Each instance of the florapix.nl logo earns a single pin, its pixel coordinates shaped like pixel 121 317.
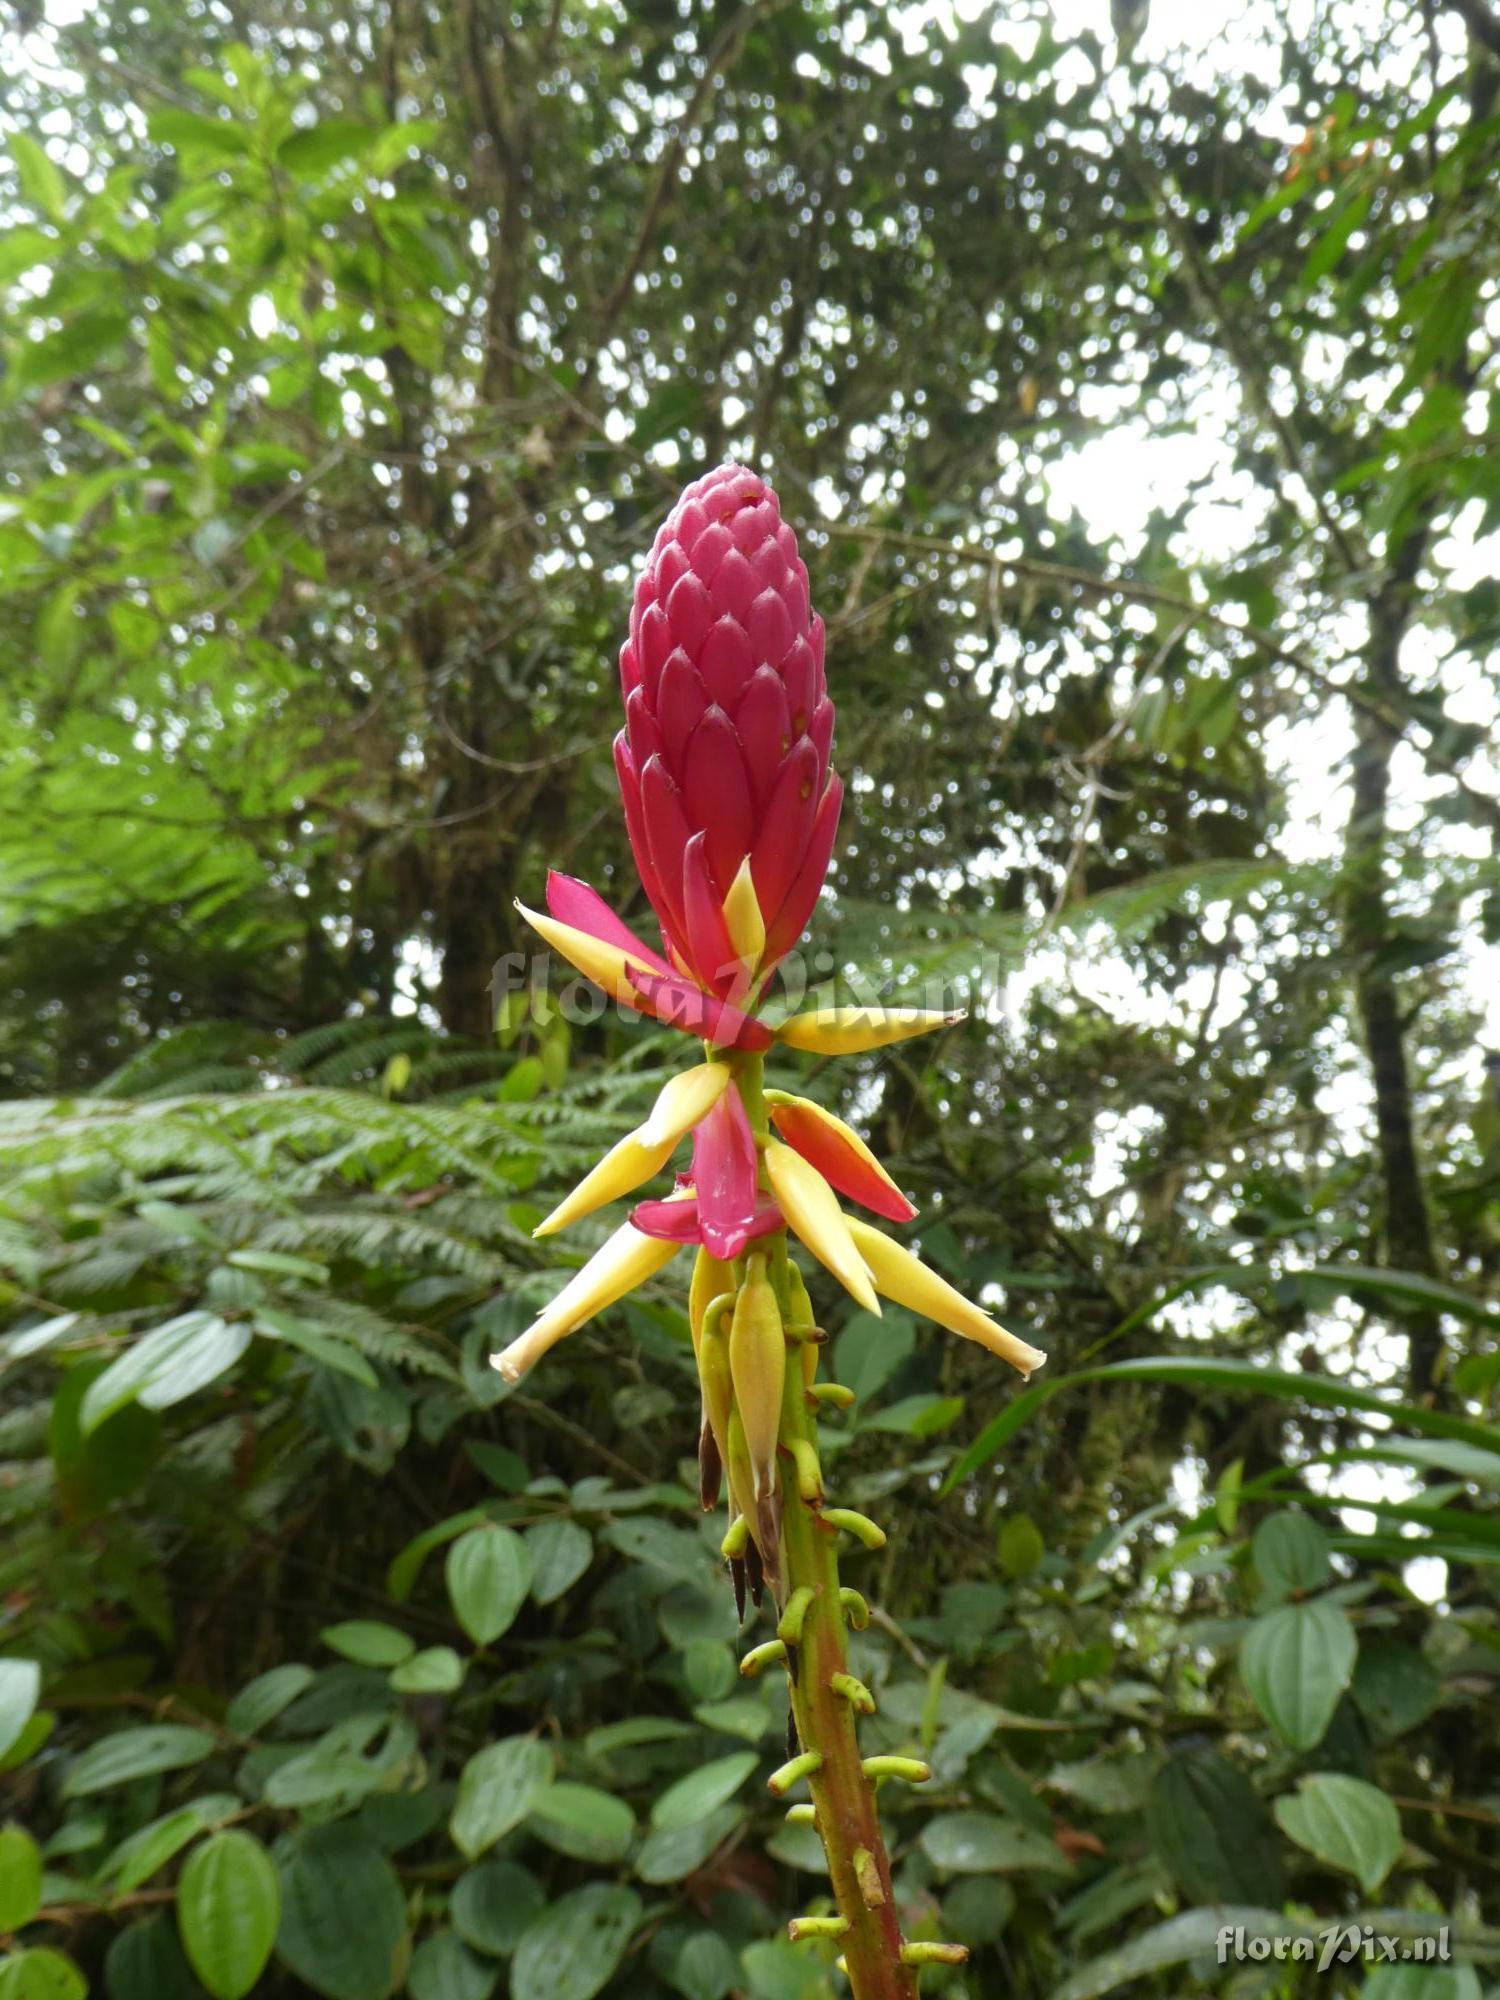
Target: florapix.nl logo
pixel 1335 1945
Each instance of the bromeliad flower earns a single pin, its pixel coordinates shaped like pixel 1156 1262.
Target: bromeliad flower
pixel 732 805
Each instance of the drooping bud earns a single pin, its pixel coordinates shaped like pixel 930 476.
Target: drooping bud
pixel 757 1362
pixel 724 758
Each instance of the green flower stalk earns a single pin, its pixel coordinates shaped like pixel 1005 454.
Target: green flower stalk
pixel 732 806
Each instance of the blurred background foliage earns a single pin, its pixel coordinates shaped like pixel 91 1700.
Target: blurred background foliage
pixel 1136 399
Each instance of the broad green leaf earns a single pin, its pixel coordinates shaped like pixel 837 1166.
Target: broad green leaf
pixel 776 1970
pixel 368 1642
pixel 142 1853
pixel 190 132
pixel 42 1974
pixel 631 1732
pixel 326 144
pixel 980 1843
pixel 407 1566
pixel 582 1821
pixel 20 1878
pixel 916 1416
pixel 167 1365
pixel 1191 1935
pixel 41 181
pixel 1236 1377
pixel 317 1343
pixel 435 1670
pixel 1345 1822
pixel 869 1350
pixel 700 1967
pixel 280 1264
pixel 672 1551
pixel 146 1962
pixel 1297 1662
pixel 136 1753
pixel 228 1912
pixel 21 250
pixel 489 1574
pixel 1291 1553
pixel 260 1701
pixel 560 1553
pixel 669 1854
pixel 20 1685
pixel 1020 1546
pixel 443 1968
pixel 1211 1830
pixel 343 1917
pixel 497 1789
pixel 493 1905
pixel 702 1791
pixel 1395 1687
pixel 572 1948
pixel 1422 1982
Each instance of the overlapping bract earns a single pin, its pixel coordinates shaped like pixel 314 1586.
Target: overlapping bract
pixel 724 760
pixel 731 806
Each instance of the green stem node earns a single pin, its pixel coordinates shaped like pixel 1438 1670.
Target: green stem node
pixel 771 1654
pixel 789 1626
pixel 855 1609
pixel 809 1472
pixel 911 1770
pixel 804 1766
pixel 817 1927
pixel 859 1525
pixel 854 1692
pixel 734 1543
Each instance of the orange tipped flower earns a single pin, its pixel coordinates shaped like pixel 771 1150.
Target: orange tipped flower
pixel 839 1154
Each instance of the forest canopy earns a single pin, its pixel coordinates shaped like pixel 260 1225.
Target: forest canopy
pixel 1132 388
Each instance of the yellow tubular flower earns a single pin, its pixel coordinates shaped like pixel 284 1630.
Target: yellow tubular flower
pixel 909 1282
pixel 603 963
pixel 644 1152
pixel 757 1365
pixel 628 1259
pixel 850 1031
pixel 809 1205
pixel 743 919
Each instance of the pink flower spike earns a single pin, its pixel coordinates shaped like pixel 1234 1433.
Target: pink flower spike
pixel 677 1003
pixel 715 960
pixel 574 902
pixel 801 899
pixel 724 1173
pixel 680 1221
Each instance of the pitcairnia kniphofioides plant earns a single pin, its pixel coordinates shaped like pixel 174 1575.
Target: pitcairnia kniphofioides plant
pixel 731 807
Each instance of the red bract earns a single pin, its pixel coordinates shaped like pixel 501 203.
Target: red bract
pixel 725 754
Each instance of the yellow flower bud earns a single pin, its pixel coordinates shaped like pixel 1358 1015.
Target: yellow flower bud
pixel 909 1282
pixel 743 919
pixel 684 1100
pixel 628 1259
pixel 850 1031
pixel 757 1362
